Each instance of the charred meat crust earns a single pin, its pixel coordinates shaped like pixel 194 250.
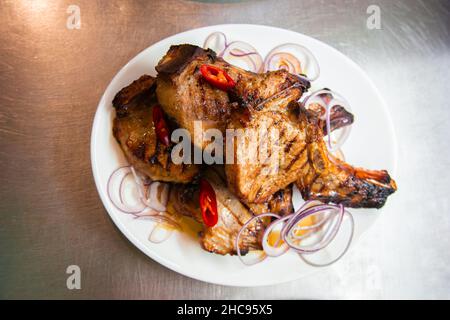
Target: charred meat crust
pixel 142 87
pixel 360 194
pixel 179 56
pixel 329 179
pixel 280 203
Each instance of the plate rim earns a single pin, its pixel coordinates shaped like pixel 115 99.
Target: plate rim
pixel 166 262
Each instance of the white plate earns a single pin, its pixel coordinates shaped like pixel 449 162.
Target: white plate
pixel 371 144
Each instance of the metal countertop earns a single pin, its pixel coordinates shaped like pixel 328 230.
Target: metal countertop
pixel 51 80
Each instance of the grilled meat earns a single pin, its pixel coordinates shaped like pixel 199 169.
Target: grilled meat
pixel 134 131
pixel 187 97
pixel 267 149
pixel 297 152
pixel 233 215
pixel 279 203
pixel 329 179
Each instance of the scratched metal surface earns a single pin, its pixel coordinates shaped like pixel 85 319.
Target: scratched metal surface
pixel 51 80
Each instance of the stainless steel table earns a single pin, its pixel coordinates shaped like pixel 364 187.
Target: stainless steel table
pixel 52 77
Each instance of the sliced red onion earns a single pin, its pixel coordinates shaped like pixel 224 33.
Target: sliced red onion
pixel 317 238
pixel 151 200
pixel 243 55
pixel 322 237
pixel 139 183
pixel 322 217
pixel 158 199
pixel 327 99
pixel 278 249
pixel 295 58
pixel 156 195
pixel 160 217
pixel 116 194
pixel 216 41
pixel 253 257
pixel 336 249
pixel 284 61
pixel 260 256
pixel 160 233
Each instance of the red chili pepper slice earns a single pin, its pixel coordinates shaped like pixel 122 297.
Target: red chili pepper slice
pixel 208 203
pixel 217 77
pixel 162 130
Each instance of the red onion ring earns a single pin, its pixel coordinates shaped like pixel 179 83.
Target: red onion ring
pixel 151 197
pixel 216 41
pixel 278 249
pixel 121 173
pixel 343 252
pixel 298 59
pixel 340 135
pixel 236 244
pixel 152 203
pixel 153 236
pixel 243 55
pixel 286 61
pixel 324 239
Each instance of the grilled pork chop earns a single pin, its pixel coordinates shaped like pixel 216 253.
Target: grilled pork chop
pixel 279 203
pixel 134 130
pixel 297 152
pixel 187 97
pixel 267 149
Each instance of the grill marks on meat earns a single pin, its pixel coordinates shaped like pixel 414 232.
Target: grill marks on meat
pixel 134 131
pixel 279 203
pixel 302 157
pixel 330 180
pixel 187 97
pixel 269 154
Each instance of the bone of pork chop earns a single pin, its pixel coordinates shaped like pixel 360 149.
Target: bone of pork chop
pixel 300 155
pixel 187 97
pixel 134 130
pixel 329 179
